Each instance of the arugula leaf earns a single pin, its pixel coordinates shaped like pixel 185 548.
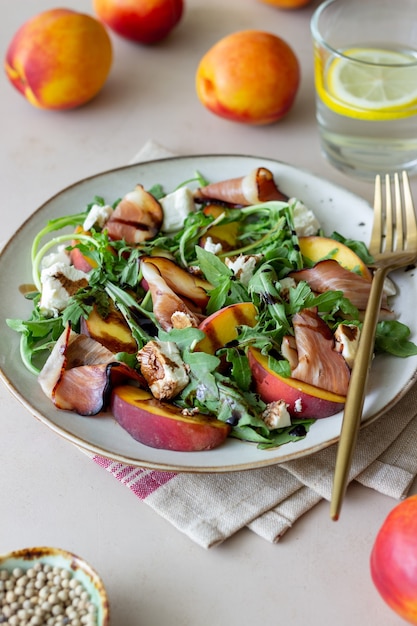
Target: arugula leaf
pixel 358 247
pixel 212 267
pixel 240 370
pixel 298 430
pixel 38 335
pixel 392 337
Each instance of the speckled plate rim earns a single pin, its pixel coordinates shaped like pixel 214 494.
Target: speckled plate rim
pixel 337 208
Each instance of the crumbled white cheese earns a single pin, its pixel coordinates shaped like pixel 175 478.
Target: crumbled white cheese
pixel 210 246
pixel 163 368
pixel 243 266
pixel 97 215
pixel 176 207
pixel 298 405
pixel 276 415
pixel 305 222
pixel 347 341
pixel 286 284
pixel 60 256
pixel 59 282
pixel 389 287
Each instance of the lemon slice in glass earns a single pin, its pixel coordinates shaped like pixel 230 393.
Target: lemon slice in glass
pixel 370 84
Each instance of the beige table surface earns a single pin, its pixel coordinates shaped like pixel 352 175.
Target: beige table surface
pixel 51 493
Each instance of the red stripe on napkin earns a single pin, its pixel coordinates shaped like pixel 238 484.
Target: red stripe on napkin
pixel 141 481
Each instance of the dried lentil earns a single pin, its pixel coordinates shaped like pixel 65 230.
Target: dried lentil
pixel 44 595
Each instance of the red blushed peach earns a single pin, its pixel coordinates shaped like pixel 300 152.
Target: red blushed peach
pixel 287 4
pixel 220 327
pixel 144 21
pixel 394 560
pixel 162 425
pixel 316 249
pixel 303 400
pixel 59 59
pixel 250 77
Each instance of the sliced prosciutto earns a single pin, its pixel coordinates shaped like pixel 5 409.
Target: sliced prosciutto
pixel 329 275
pixel 138 217
pixel 79 374
pixel 169 309
pixel 180 281
pixel 318 362
pixel 258 186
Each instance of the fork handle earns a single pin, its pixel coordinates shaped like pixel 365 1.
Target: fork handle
pixel 356 393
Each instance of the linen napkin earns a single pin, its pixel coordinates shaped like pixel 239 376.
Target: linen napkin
pixel 209 508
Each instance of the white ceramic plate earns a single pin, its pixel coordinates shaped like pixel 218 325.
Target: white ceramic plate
pixel 336 208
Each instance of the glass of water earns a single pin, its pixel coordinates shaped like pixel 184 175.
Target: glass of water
pixel 365 63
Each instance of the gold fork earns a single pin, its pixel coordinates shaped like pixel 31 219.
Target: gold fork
pixel 393 245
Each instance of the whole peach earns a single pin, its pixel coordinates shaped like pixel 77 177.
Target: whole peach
pixel 394 559
pixel 59 59
pixel 144 21
pixel 287 4
pixel 249 76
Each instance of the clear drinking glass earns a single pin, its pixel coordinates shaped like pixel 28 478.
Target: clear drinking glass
pixel 365 59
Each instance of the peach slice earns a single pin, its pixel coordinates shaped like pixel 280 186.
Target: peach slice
pixel 112 332
pixel 220 327
pixel 78 259
pixel 163 425
pixel 225 234
pixel 317 248
pixel 303 400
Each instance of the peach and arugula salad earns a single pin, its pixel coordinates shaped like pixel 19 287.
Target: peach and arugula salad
pixel 218 309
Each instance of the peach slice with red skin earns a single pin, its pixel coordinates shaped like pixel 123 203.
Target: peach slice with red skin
pixel 78 259
pixel 317 248
pixel 221 327
pixel 303 400
pixel 112 331
pixel 162 425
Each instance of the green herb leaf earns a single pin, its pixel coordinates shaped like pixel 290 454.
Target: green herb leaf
pixel 393 337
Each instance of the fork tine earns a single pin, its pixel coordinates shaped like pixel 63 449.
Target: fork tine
pixel 389 222
pixel 398 223
pixel 410 215
pixel 376 234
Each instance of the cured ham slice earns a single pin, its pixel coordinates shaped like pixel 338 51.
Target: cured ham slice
pixel 169 309
pixel 79 374
pixel 138 217
pixel 258 186
pixel 318 362
pixel 329 275
pixel 182 282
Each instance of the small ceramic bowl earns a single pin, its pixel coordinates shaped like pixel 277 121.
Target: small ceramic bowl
pixel 79 569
